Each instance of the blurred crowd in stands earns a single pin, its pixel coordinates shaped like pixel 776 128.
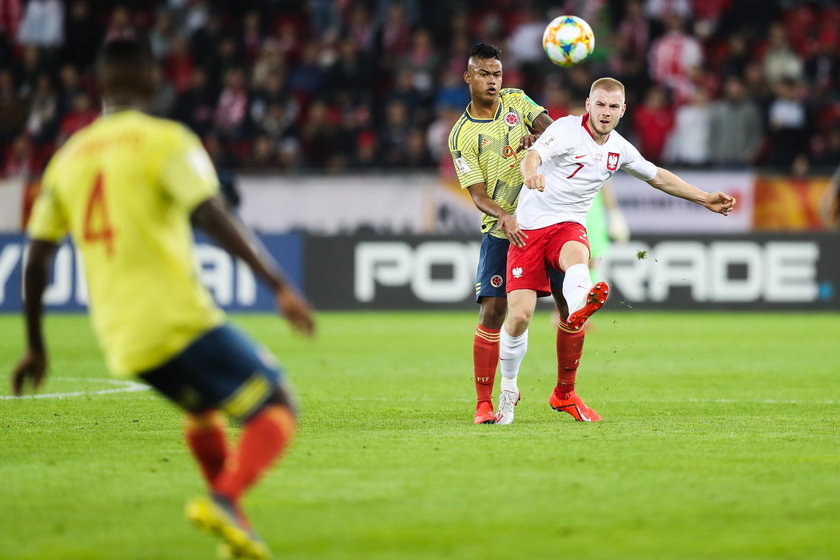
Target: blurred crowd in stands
pixel 377 84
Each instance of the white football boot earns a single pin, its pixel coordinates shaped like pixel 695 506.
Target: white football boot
pixel 504 412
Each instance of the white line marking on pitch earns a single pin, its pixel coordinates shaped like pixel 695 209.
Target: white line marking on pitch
pixel 123 386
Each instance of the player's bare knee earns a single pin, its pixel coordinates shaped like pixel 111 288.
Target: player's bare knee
pixel 518 320
pixel 573 253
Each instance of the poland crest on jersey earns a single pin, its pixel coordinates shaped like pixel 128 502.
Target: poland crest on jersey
pixel 511 118
pixel 612 161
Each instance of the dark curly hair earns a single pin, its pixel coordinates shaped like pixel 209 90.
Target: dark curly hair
pixel 485 51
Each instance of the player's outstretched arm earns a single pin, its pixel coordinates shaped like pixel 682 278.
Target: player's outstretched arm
pixel 507 223
pixel 670 183
pixel 33 365
pixel 214 218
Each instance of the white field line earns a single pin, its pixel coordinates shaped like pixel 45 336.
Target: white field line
pixel 122 386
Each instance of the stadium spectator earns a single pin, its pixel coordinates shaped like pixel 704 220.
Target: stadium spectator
pixel 690 140
pixel 662 10
pixel 780 61
pixel 29 67
pixel 673 56
pixel 179 64
pixel 828 150
pixel 163 98
pixel 788 124
pixel 42 122
pixel 557 101
pixel 318 135
pixel 737 56
pixel 196 105
pixel 162 35
pixel 306 78
pixel 82 114
pixel 252 35
pixel 395 34
pixel 19 158
pixel 633 32
pixel 12 107
pixel 348 80
pixel 360 29
pixel 269 62
pixel 735 131
pixel 83 35
pixel 524 44
pixel 232 108
pixel 652 123
pixel 451 92
pixel 120 23
pixel 822 70
pixel 70 86
pixel 394 134
pixel 423 61
pixel 263 155
pixel 42 24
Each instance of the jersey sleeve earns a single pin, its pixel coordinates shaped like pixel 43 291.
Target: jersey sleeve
pixel 529 108
pixel 465 159
pixel 187 172
pixel 48 221
pixel 636 165
pixel 552 142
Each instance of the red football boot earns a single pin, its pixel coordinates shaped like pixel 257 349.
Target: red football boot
pixel 595 300
pixel 574 406
pixel 484 414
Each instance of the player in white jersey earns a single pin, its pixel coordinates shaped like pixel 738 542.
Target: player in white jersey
pixel 577 155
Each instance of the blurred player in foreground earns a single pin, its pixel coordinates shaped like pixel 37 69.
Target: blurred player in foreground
pixel 577 155
pixel 485 144
pixel 125 188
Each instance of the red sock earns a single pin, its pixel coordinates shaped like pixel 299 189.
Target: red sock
pixel 569 350
pixel 263 439
pixel 206 440
pixel 485 361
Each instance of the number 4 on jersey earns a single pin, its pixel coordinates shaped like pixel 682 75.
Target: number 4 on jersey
pixel 97 225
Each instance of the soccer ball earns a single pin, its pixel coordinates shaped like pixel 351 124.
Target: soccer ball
pixel 568 40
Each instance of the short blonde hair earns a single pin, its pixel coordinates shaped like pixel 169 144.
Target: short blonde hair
pixel 607 84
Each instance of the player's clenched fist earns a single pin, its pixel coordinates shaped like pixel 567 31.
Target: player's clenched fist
pixel 535 181
pixel 720 202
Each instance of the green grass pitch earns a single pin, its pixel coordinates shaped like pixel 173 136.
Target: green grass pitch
pixel 720 440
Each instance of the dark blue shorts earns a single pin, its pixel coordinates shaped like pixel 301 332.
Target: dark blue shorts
pixel 222 369
pixel 492 269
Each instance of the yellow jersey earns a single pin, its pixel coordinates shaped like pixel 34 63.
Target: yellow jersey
pixel 124 188
pixel 484 151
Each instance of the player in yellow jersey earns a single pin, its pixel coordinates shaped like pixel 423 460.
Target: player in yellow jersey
pixel 125 189
pixel 486 144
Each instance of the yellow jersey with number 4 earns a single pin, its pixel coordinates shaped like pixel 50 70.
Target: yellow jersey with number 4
pixel 124 188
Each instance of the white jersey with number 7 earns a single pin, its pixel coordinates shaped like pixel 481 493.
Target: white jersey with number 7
pixel 575 168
